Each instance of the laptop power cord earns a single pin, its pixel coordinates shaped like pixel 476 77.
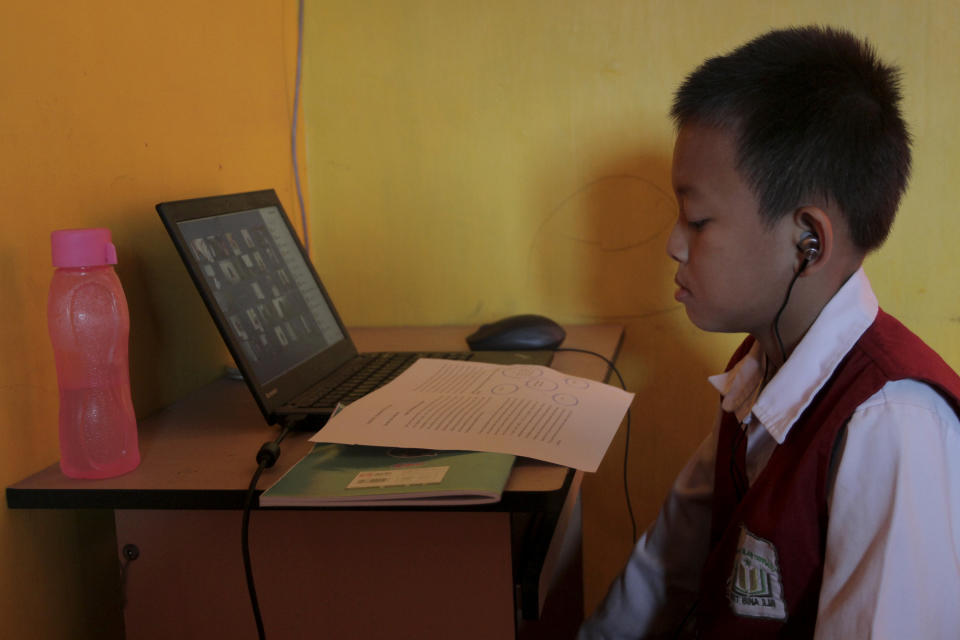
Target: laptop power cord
pixel 267 456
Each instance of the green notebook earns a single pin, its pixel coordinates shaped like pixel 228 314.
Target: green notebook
pixel 362 476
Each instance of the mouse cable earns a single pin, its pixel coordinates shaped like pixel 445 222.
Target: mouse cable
pixel 266 457
pixel 626 448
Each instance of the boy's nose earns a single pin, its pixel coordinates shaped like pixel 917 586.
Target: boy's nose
pixel 677 243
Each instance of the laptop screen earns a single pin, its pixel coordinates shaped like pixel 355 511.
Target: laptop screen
pixel 264 289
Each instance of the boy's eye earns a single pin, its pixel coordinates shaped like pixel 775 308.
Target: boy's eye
pixel 697 225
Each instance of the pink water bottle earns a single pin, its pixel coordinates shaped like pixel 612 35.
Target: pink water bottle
pixel 89 327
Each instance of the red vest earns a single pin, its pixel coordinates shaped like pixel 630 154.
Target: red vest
pixel 762 577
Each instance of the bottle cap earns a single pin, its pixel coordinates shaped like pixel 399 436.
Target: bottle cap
pixel 82 248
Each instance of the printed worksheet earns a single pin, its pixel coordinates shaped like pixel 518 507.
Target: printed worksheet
pixel 523 410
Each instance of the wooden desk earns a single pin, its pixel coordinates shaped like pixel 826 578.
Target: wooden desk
pixel 499 571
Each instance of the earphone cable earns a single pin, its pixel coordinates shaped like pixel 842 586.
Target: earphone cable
pixel 626 451
pixel 738 475
pixel 786 299
pixel 741 482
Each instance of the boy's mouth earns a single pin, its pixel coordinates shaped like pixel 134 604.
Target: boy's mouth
pixel 682 293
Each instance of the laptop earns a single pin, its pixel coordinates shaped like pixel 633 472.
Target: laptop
pixel 275 315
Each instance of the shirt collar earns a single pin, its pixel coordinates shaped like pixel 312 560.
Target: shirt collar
pixel 838 327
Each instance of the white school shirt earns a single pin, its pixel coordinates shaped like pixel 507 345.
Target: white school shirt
pixel 892 565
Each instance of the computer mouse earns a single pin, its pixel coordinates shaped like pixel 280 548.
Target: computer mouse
pixel 527 332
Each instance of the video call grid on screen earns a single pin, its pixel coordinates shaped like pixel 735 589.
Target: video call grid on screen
pixel 263 288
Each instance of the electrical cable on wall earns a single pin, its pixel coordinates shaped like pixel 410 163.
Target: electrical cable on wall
pixel 294 127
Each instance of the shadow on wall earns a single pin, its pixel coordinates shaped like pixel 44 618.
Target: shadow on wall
pixel 174 345
pixel 600 251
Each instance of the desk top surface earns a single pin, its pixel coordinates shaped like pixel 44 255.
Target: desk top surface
pixel 199 453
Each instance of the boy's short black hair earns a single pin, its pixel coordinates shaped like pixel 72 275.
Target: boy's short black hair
pixel 816 115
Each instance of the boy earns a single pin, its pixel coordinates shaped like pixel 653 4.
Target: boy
pixel 826 502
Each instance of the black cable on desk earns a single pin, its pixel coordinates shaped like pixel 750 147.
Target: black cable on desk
pixel 245 546
pixel 626 450
pixel 266 458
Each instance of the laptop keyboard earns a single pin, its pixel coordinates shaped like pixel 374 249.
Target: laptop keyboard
pixel 370 371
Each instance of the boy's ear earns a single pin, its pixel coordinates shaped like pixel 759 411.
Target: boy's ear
pixel 813 237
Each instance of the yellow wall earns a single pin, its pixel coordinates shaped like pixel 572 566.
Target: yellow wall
pixel 470 160
pixel 107 108
pixel 517 151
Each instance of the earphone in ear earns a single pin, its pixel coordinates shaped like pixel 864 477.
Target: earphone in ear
pixel 809 247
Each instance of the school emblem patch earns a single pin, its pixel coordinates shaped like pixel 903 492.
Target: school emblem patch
pixel 755 588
